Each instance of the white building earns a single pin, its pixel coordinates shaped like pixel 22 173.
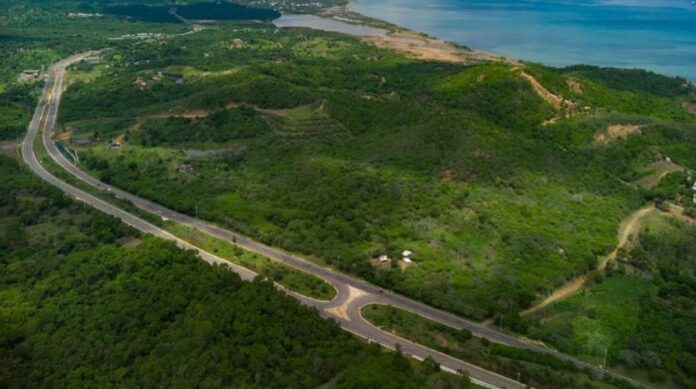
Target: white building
pixel 406 256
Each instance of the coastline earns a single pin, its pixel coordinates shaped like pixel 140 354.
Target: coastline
pixel 509 49
pixel 415 44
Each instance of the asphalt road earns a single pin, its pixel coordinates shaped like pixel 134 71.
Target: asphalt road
pixel 352 293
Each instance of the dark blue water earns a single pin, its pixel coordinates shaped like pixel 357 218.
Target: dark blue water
pixel 658 35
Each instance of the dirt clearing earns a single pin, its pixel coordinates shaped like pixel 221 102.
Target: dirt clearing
pixel 616 131
pixel 690 107
pixel 423 47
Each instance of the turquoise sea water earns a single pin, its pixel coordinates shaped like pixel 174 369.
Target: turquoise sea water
pixel 658 35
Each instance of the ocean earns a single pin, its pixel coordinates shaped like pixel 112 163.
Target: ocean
pixel 658 35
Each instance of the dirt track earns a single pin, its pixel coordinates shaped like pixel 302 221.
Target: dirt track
pixel 628 227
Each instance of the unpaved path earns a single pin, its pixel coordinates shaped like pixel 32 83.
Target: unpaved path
pixel 556 101
pixel 627 228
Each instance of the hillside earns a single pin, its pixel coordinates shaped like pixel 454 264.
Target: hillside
pixel 346 160
pixel 509 181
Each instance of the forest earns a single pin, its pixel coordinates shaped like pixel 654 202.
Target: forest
pixel 88 301
pixel 195 11
pixel 329 147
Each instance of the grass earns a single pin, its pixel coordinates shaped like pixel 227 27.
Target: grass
pixel 295 280
pixel 538 370
pixel 639 313
pixel 606 314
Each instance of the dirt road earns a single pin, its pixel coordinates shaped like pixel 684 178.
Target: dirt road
pixel 627 229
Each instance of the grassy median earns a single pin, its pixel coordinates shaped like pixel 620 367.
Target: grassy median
pixel 286 276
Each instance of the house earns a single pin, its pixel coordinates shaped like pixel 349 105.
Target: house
pixel 383 258
pixel 406 256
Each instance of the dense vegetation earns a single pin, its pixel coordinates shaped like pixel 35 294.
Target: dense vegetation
pixel 195 11
pixel 642 312
pixel 321 144
pixel 87 301
pixel 14 113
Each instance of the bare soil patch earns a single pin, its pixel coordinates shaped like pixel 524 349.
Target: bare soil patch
pixel 556 101
pixel 423 47
pixel 65 135
pixel 616 131
pixel 690 107
pixel 575 86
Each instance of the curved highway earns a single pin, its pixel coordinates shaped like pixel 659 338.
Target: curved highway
pixel 352 293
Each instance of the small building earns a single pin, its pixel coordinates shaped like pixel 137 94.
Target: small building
pixel 383 258
pixel 406 256
pixel 694 187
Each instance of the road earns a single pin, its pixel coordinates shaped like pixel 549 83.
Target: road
pixel 352 293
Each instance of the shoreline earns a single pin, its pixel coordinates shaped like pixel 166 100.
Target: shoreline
pixel 415 44
pixel 422 45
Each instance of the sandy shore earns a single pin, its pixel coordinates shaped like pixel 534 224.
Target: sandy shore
pixel 413 43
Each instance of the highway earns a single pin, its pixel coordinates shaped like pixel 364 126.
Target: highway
pixel 352 293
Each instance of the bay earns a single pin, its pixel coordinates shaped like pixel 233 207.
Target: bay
pixel 658 35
